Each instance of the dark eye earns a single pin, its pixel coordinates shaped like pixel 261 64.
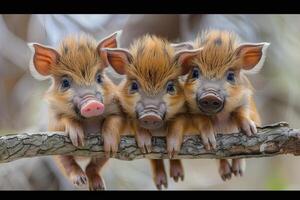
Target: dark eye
pixel 230 77
pixel 171 87
pixel 195 73
pixel 134 86
pixel 99 78
pixel 65 83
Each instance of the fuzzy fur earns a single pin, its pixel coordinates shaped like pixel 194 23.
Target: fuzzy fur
pixel 217 56
pixel 152 63
pixel 152 67
pixel 80 60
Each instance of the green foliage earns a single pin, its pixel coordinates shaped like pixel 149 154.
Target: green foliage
pixel 276 182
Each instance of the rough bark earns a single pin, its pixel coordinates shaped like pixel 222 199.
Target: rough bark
pixel 271 140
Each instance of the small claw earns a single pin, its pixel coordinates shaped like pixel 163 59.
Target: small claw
pixel 143 150
pixel 107 154
pixel 175 178
pixel 249 127
pixel 226 177
pixel 158 186
pixel 83 180
pixel 212 140
pixel 76 136
pixel 236 173
pixel 165 184
pixel 172 153
pixel 182 178
pixel 241 172
pixel 148 148
pixel 96 184
pixel 248 132
pixel 113 154
pixel 207 147
pixel 162 183
pixel 79 180
pixel 253 128
pixel 178 176
pixel 73 139
pixel 81 139
pixel 205 142
pixel 223 178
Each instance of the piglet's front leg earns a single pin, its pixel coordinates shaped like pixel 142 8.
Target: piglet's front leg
pixel 175 132
pixel 74 130
pixel 248 126
pixel 143 138
pixel 245 123
pixel 207 132
pixel 176 170
pixel 111 129
pixel 159 173
pixel 92 170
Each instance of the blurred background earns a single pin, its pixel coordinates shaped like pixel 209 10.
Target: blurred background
pixel 22 107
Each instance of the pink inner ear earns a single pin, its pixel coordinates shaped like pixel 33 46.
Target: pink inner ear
pixel 251 60
pixel 43 59
pixel 110 42
pixel 250 55
pixel 118 60
pixel 184 59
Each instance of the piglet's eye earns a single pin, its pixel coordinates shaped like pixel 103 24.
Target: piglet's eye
pixel 65 83
pixel 134 87
pixel 171 87
pixel 230 77
pixel 195 73
pixel 98 78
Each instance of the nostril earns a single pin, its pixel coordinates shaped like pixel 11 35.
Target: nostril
pixel 88 110
pixel 205 102
pixel 216 103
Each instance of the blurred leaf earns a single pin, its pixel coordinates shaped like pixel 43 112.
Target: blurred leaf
pixel 276 182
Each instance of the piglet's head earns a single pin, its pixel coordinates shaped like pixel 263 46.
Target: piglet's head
pixel 76 70
pixel 215 72
pixel 150 93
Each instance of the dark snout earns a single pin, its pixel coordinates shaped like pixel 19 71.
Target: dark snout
pixel 210 102
pixel 151 121
pixel 151 117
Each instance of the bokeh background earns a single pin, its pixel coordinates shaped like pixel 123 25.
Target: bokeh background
pixel 22 107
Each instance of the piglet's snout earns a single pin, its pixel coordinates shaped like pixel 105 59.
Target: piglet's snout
pixel 150 120
pixel 210 103
pixel 91 108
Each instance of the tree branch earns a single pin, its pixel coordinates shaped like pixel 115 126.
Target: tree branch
pixel 271 140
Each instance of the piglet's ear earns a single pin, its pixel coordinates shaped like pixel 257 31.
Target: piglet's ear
pixel 111 41
pixel 183 59
pixel 42 60
pixel 118 58
pixel 252 56
pixel 182 46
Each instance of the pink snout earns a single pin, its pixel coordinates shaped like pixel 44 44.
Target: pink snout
pixel 92 108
